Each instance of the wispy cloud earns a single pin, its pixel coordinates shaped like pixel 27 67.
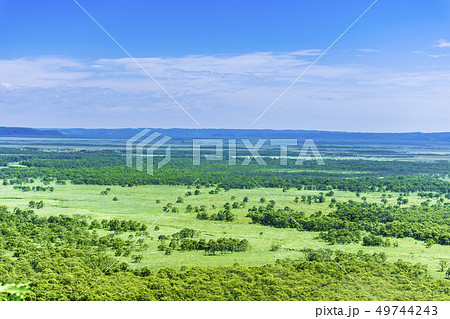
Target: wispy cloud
pixel 439 55
pixel 311 52
pixel 7 85
pixel 368 50
pixel 442 44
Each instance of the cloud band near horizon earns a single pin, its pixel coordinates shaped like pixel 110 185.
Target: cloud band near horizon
pixel 225 91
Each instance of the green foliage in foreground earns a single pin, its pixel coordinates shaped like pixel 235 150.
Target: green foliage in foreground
pixel 314 277
pixel 60 259
pixel 13 292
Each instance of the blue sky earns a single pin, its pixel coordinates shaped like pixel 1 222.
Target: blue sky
pixel 225 62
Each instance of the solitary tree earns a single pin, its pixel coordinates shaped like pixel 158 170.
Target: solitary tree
pixel 443 263
pixel 137 258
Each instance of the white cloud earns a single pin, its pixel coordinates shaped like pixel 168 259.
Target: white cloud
pixel 43 71
pixel 439 55
pixel 368 50
pixel 442 44
pixel 311 52
pixel 7 85
pixel 218 90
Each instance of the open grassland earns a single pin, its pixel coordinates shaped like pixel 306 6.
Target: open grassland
pixel 140 204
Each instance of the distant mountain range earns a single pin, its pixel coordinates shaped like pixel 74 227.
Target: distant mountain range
pixel 178 134
pixel 27 132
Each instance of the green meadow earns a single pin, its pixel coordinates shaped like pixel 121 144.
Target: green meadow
pixel 146 204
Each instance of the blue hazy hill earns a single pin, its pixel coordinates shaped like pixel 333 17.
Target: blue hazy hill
pixel 185 135
pixel 335 137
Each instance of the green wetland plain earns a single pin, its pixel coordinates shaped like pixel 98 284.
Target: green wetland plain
pixel 76 223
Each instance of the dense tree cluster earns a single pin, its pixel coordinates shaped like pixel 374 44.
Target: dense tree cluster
pixel 210 247
pixel 35 204
pixel 34 188
pixel 268 216
pixel 309 199
pixel 183 241
pixel 108 168
pixel 344 224
pixel 221 215
pixel 372 240
pixel 341 236
pixel 118 225
pixel 23 232
pixel 286 280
